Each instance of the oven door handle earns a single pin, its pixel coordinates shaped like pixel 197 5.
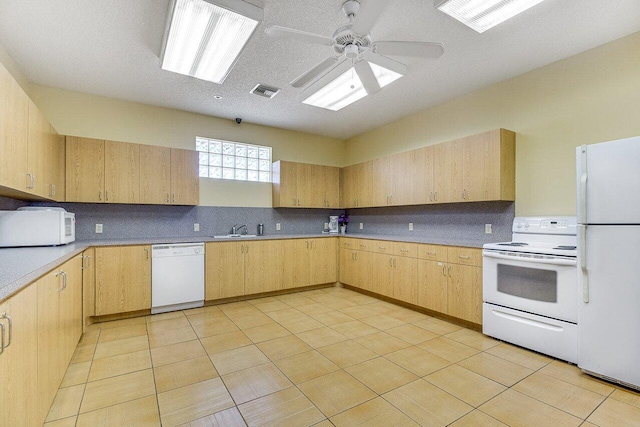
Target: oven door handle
pixel 552 261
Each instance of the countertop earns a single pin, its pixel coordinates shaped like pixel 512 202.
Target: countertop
pixel 21 266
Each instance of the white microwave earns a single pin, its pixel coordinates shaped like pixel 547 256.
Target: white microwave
pixel 37 226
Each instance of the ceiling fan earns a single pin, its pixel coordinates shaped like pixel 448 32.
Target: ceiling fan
pixel 353 42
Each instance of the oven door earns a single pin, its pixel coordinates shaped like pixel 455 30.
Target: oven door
pixel 544 285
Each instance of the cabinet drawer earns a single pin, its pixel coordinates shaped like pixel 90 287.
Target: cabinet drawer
pixel 364 245
pixel 347 243
pixel 432 252
pixel 464 256
pixel 405 249
pixel 382 246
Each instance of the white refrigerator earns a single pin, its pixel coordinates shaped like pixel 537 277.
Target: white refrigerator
pixel 608 176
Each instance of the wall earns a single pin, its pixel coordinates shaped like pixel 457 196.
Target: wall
pixel 588 98
pixel 13 69
pixel 79 114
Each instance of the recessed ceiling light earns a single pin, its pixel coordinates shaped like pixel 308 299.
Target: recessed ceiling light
pixel 205 37
pixel 484 14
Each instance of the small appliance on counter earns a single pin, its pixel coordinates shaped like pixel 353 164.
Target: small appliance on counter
pixel 333 224
pixel 37 226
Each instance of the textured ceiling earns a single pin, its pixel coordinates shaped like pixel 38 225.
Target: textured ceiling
pixel 112 48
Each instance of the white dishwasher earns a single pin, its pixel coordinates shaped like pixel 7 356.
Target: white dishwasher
pixel 177 277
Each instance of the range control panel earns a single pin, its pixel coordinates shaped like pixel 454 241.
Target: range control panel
pixel 545 225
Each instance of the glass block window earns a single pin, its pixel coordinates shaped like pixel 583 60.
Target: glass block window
pixel 233 160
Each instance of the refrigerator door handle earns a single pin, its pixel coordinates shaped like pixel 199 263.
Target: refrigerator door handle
pixel 582 196
pixel 582 244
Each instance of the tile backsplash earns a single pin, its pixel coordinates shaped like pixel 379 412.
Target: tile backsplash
pixel 443 222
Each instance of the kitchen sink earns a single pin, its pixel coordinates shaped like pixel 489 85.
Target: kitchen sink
pixel 234 236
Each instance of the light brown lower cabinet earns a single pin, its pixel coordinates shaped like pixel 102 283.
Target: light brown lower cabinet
pixel 18 361
pixel 88 286
pixel 444 279
pixel 253 267
pixel 123 279
pixel 59 309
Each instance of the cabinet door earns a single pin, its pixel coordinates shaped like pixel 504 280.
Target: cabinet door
pixel 123 279
pixel 307 191
pixel 295 266
pixel 381 181
pixel 59 185
pixel 447 171
pixel 41 153
pixel 14 128
pixel 403 178
pixel 363 184
pixel 382 274
pixel 363 275
pixel 50 364
pixel 185 179
pixel 405 279
pixel 347 266
pixel 18 363
pixel 347 196
pixel 423 178
pixel 224 270
pixel 465 292
pixel 122 172
pixel 285 185
pixel 71 306
pixel 323 261
pixel 84 170
pixel 155 175
pixel 489 167
pixel 88 286
pixel 432 285
pixel 263 266
pixel 331 186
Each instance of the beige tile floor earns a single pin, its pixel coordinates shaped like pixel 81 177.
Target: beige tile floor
pixel 323 357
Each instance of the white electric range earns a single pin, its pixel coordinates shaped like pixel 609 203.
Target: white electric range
pixel 530 287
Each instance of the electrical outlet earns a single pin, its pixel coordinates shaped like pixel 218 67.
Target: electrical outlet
pixel 487 229
pixel 410 226
pixel 361 226
pixel 277 226
pixel 99 228
pixel 196 227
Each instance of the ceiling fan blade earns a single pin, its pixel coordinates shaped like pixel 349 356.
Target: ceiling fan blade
pixel 314 72
pixel 367 77
pixel 404 48
pixel 303 36
pixel 368 15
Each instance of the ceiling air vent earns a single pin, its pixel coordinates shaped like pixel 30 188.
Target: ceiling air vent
pixel 266 91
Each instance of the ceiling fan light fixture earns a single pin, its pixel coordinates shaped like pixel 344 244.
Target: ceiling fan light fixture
pixel 205 38
pixel 342 86
pixel 481 15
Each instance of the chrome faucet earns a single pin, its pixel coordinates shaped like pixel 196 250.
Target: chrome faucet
pixel 235 229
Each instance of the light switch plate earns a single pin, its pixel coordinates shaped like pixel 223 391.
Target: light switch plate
pixel 99 228
pixel 361 226
pixel 196 227
pixel 488 229
pixel 410 226
pixel 277 226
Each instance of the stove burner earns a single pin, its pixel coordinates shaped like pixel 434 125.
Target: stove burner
pixel 565 248
pixel 513 244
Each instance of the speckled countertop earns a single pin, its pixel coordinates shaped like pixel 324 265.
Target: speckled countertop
pixel 21 266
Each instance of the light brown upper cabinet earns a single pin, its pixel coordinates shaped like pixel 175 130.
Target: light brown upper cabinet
pixel 356 182
pixel 185 181
pixel 14 125
pixel 121 172
pixel 303 185
pixel 85 170
pixel 404 178
pixel 30 163
pixel 101 171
